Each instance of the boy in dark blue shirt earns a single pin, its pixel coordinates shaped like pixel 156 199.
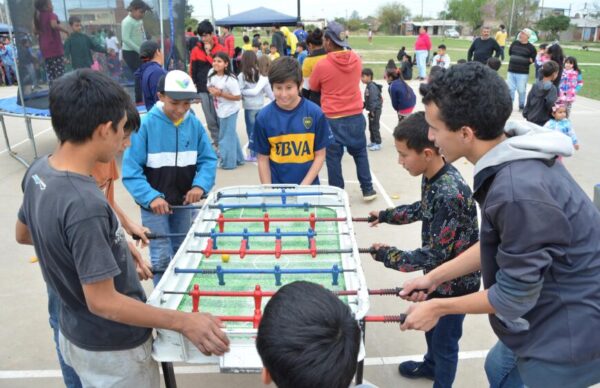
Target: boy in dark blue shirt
pixel 291 133
pixel 150 72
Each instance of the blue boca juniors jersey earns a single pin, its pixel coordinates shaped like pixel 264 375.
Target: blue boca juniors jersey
pixel 290 138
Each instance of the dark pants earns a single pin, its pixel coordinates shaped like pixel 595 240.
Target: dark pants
pixel 374 117
pixel 133 61
pixel 501 53
pixel 442 349
pixel 70 377
pixel 349 132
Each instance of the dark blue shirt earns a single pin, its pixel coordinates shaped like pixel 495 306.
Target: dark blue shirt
pixel 291 138
pixel 149 74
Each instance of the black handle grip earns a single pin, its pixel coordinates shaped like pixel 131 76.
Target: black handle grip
pixel 368 219
pixel 149 235
pixel 370 250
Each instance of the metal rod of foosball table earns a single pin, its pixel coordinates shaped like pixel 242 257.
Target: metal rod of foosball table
pixel 292 219
pixel 280 194
pixel 283 252
pixel 155 236
pixel 261 271
pixel 273 252
pixel 385 291
pixel 304 206
pixel 369 318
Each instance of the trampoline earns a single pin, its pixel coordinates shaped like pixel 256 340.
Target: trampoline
pixel 164 24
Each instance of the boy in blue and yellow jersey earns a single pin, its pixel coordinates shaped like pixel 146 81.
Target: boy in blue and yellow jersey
pixel 170 162
pixel 291 133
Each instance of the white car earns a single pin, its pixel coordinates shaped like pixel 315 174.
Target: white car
pixel 451 33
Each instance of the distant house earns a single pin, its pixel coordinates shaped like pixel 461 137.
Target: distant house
pixel 583 30
pixel 434 26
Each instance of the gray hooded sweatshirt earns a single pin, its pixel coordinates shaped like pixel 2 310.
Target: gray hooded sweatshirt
pixel 540 248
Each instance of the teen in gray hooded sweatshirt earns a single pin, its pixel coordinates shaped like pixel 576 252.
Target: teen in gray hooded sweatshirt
pixel 539 250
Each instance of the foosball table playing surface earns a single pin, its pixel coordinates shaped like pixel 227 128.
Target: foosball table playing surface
pixel 245 243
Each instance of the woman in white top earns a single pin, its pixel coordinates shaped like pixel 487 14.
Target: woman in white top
pixel 254 88
pixel 224 87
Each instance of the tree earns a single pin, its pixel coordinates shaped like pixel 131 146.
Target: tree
pixel 524 14
pixel 354 23
pixel 391 15
pixel 468 11
pixel 189 20
pixel 554 24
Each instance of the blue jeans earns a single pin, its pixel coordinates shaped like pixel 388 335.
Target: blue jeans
pixel 250 118
pixel 422 62
pixel 69 375
pixel 543 374
pixel 501 368
pixel 10 70
pixel 349 132
pixel 229 143
pixel 517 82
pixel 442 349
pixel 162 250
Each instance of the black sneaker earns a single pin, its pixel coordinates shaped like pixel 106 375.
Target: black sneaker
pixel 369 195
pixel 415 370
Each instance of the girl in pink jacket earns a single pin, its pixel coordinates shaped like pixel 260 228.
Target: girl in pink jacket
pixel 571 83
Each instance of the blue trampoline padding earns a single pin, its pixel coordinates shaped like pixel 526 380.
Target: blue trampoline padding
pixel 10 105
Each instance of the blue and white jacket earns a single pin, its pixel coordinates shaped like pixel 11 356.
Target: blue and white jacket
pixel 167 161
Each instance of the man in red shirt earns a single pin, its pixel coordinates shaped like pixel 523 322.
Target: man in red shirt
pixel 228 41
pixel 337 78
pixel 201 58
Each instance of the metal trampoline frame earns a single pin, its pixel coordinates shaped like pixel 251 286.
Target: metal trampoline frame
pixel 29 117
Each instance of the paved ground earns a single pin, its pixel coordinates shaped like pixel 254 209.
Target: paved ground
pixel 27 354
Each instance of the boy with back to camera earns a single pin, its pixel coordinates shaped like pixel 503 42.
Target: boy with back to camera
pixel 170 162
pixel 539 251
pixel 373 105
pixel 83 254
pixel 150 72
pixel 542 96
pixel 449 227
pixel 291 134
pixel 307 338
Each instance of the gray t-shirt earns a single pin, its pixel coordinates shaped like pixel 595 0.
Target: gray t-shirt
pixel 78 240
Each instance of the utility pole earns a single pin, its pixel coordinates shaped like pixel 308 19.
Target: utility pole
pixel 299 17
pixel 421 10
pixel 212 13
pixel 512 12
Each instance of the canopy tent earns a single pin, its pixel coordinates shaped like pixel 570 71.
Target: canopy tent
pixel 5 28
pixel 258 17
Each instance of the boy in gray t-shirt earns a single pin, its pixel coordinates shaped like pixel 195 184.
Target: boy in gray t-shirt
pixel 82 250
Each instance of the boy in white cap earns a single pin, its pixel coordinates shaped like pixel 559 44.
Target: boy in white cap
pixel 170 162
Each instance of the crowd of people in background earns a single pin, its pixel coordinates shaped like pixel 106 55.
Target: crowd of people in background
pixel 314 114
pixel 551 91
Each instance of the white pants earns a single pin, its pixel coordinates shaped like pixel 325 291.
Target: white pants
pixel 116 369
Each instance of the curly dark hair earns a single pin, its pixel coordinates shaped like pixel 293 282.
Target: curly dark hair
pixel 472 95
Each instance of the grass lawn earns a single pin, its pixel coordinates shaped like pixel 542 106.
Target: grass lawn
pixel 385 47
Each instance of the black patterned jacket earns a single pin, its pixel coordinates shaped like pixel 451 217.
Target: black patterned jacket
pixel 449 215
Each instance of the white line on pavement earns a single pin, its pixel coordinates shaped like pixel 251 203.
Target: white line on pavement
pixel 26 140
pixel 205 369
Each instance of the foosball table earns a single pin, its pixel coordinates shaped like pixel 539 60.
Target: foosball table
pixel 245 243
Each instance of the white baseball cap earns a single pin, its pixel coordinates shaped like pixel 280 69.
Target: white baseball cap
pixel 178 85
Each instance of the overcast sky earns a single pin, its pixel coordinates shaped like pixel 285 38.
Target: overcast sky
pixel 313 9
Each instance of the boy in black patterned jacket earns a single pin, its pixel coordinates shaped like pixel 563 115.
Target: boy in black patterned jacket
pixel 449 217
